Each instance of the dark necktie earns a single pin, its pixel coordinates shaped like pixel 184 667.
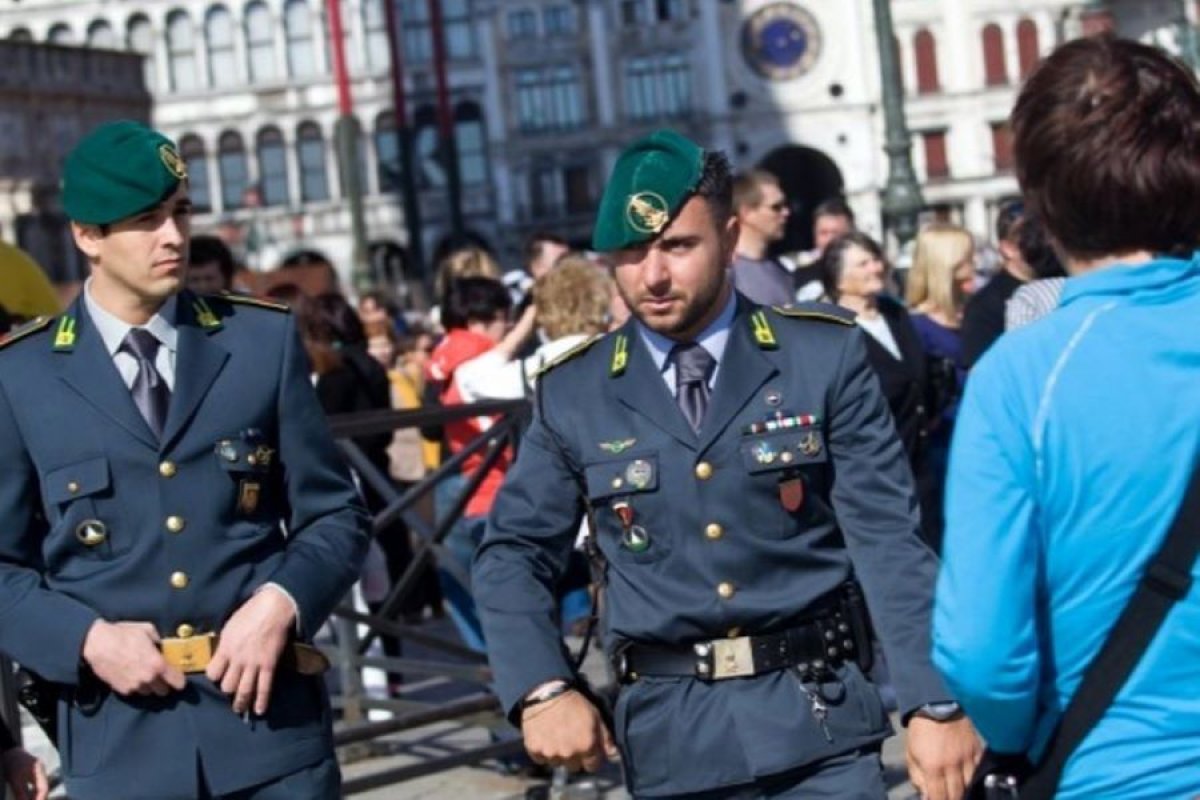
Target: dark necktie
pixel 149 390
pixel 693 367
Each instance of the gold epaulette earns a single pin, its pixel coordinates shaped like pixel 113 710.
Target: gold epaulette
pixel 567 356
pixel 247 300
pixel 824 313
pixel 21 331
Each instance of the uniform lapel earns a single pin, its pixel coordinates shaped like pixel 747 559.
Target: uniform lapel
pixel 744 369
pixel 89 370
pixel 198 361
pixel 641 387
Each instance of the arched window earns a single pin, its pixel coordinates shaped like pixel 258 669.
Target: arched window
pixel 260 43
pixel 218 36
pixel 472 144
pixel 379 59
pixel 231 164
pixel 1027 46
pixel 925 50
pixel 191 148
pixel 181 52
pixel 100 35
pixel 995 73
pixel 298 30
pixel 272 167
pixel 20 35
pixel 139 38
pixel 60 33
pixel 310 150
pixel 388 169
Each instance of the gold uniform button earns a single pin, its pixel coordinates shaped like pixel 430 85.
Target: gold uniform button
pixel 179 580
pixel 704 470
pixel 175 524
pixel 185 631
pixel 714 531
pixel 725 589
pixel 73 487
pixel 167 469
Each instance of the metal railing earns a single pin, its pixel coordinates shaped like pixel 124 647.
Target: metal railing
pixel 452 660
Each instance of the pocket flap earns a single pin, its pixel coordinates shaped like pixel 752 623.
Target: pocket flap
pixel 629 475
pixel 774 450
pixel 80 479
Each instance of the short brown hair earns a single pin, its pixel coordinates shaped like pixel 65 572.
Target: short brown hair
pixel 1107 146
pixel 747 188
pixel 573 297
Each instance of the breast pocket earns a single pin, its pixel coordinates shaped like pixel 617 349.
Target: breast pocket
pixel 790 467
pixel 73 496
pixel 627 508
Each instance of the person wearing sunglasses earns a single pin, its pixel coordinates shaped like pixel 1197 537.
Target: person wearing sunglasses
pixel 762 212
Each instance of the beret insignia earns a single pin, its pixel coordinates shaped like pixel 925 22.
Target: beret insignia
pixel 647 212
pixel 171 160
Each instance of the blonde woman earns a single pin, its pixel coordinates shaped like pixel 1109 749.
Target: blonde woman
pixel 572 304
pixel 941 279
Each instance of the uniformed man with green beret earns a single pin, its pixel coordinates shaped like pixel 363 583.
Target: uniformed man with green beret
pixel 175 519
pixel 755 514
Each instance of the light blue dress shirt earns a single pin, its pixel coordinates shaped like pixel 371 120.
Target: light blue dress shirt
pixel 113 331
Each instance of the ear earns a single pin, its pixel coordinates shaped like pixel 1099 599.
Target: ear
pixel 87 239
pixel 729 238
pixel 1008 250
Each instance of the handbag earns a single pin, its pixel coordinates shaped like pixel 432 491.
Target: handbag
pixel 1167 579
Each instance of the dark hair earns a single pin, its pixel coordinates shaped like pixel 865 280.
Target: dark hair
pixel 716 186
pixel 748 186
pixel 1037 251
pixel 831 259
pixel 460 240
pixel 474 300
pixel 285 292
pixel 1106 135
pixel 1010 216
pixel 305 258
pixel 384 299
pixel 537 240
pixel 7 322
pixel 329 319
pixel 834 207
pixel 203 249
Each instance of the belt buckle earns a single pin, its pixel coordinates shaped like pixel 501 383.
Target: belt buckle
pixel 190 654
pixel 725 658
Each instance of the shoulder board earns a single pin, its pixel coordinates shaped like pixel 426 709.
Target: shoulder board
pixel 823 312
pixel 21 331
pixel 567 356
pixel 247 300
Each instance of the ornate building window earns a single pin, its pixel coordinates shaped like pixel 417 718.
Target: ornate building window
pixel 298 31
pixel 995 72
pixel 139 38
pixel 472 144
pixel 260 43
pixel 549 98
pixel 657 87
pixel 1027 47
pixel 310 152
pixel 925 51
pixel 218 37
pixel 387 153
pixel 379 57
pixel 100 35
pixel 272 167
pixel 234 172
pixel 181 52
pixel 191 148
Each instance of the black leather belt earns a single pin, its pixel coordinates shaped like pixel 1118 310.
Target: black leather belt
pixel 812 648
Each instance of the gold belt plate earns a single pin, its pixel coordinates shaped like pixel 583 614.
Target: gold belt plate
pixel 732 658
pixel 190 654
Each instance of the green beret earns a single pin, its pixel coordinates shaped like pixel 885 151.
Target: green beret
pixel 651 181
pixel 119 169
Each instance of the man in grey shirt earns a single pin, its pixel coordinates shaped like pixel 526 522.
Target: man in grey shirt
pixel 762 213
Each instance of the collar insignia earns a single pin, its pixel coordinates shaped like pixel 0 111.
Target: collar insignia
pixel 647 212
pixel 764 335
pixel 205 316
pixel 64 337
pixel 620 356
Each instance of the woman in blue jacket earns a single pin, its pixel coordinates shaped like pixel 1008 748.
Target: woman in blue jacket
pixel 1078 434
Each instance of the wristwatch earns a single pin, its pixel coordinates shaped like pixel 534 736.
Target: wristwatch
pixel 940 712
pixel 546 692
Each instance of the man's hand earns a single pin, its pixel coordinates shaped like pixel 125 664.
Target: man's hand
pixel 567 731
pixel 25 774
pixel 942 756
pixel 248 649
pixel 125 655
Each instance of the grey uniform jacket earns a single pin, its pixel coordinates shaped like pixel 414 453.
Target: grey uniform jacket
pixel 725 556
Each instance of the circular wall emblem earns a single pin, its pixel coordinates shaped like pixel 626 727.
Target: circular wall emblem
pixel 647 212
pixel 781 41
